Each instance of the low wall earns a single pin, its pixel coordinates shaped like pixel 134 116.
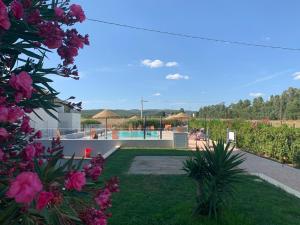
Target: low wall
pixel 78 146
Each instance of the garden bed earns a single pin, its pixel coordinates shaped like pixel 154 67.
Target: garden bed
pixel 170 199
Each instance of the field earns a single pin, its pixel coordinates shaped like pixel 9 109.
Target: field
pixel 170 199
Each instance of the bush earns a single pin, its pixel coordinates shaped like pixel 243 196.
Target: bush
pixel 90 122
pixel 279 143
pixel 215 171
pixel 37 186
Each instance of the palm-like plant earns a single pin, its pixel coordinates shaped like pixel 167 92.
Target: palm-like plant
pixel 216 172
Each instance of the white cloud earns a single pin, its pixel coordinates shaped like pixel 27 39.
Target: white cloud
pixel 171 64
pixel 296 76
pixel 176 76
pixel 157 94
pixel 153 63
pixel 256 94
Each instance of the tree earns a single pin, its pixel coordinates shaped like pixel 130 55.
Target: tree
pixel 34 187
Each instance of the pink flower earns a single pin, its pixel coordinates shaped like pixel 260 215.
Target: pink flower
pixel 38 134
pixel 25 187
pixel 76 180
pixel 43 199
pixel 29 151
pixel 59 12
pixel 77 12
pixel 14 114
pixel 3 134
pixel 17 9
pixel 23 83
pixel 39 148
pixel 34 17
pixel 113 184
pixel 103 199
pixel 3 113
pixel 4 20
pixel 68 54
pixel 92 216
pixel 94 172
pixel 25 126
pixel 52 33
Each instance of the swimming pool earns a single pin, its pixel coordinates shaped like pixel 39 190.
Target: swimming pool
pixel 138 134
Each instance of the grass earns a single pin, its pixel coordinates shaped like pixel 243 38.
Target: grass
pixel 170 199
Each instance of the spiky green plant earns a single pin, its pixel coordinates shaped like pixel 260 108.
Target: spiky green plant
pixel 216 173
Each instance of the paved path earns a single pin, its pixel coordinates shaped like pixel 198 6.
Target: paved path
pixel 279 172
pixel 253 164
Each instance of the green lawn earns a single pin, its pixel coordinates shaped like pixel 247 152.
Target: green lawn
pixel 169 200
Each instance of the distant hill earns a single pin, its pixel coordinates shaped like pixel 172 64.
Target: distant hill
pixel 131 112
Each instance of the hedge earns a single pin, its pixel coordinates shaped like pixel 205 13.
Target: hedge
pixel 279 143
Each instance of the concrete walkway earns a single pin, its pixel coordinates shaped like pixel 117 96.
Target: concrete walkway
pixel 282 173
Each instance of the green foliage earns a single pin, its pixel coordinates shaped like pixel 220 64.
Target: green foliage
pixel 150 122
pixel 284 106
pixel 216 172
pixel 90 121
pixel 280 143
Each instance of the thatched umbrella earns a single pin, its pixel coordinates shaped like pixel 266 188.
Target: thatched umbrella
pixel 105 114
pixel 181 116
pixel 134 118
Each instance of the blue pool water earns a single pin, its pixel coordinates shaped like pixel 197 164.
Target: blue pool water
pixel 138 134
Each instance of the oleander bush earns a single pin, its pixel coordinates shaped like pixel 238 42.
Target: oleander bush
pixel 280 143
pixel 37 186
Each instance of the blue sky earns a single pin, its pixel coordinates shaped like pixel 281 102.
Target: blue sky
pixel 114 73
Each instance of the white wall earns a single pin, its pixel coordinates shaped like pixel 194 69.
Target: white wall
pixel 48 125
pixel 69 121
pixel 102 146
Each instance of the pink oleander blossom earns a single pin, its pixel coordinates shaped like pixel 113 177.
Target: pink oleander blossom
pixel 75 180
pixel 92 216
pixel 68 54
pixel 39 148
pixel 43 199
pixel 17 9
pixel 3 134
pixel 103 199
pixel 34 17
pixel 22 83
pixel 38 134
pixel 29 152
pixel 52 33
pixel 4 20
pixel 25 187
pixel 3 113
pixel 59 13
pixel 14 113
pixel 25 126
pixel 77 12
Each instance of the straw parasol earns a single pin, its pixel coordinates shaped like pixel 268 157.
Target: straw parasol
pixel 181 116
pixel 105 114
pixel 134 118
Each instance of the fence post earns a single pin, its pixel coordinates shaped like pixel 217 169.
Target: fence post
pixel 144 127
pixel 160 124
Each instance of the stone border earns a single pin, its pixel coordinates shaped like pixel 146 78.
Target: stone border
pixel 105 155
pixel 110 152
pixel 277 184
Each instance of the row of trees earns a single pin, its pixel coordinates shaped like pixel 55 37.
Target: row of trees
pixel 277 107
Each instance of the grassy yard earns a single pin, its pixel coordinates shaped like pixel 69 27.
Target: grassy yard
pixel 169 200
